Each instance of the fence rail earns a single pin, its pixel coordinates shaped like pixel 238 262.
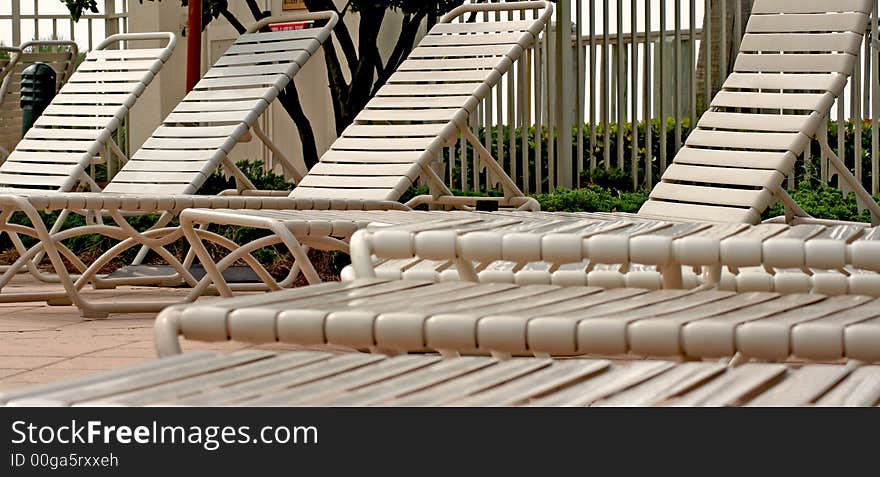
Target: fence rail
pixel 56 26
pixel 628 61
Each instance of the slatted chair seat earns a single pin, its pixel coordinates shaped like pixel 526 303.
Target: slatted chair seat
pixel 469 318
pixel 583 249
pixel 308 378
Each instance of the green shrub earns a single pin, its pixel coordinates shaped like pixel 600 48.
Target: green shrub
pixel 602 191
pixel 253 170
pixel 824 202
pixel 614 178
pixel 592 198
pixel 594 152
pixel 92 245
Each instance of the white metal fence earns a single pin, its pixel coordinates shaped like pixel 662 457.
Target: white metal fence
pixel 27 20
pixel 625 61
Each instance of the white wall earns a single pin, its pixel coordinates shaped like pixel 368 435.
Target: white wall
pixel 169 86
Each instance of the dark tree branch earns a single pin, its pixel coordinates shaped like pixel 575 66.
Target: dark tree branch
pixel 354 71
pixel 290 100
pixel 363 76
pixel 338 89
pixel 255 10
pixel 401 50
pixel 343 36
pixel 234 22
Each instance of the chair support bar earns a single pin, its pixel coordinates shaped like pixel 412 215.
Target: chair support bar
pixel 863 198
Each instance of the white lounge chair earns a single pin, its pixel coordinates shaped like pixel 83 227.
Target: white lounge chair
pixel 589 249
pixel 503 320
pixel 794 61
pixel 191 143
pixel 9 57
pixel 61 55
pixel 78 123
pixel 367 168
pixel 306 378
pixel 544 318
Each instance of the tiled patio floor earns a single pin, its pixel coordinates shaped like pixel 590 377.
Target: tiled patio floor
pixel 41 343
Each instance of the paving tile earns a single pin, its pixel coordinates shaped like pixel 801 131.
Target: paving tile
pixel 9 385
pixel 93 363
pixel 139 344
pixel 40 376
pixel 15 326
pixel 5 373
pixel 107 324
pixel 127 352
pixel 27 362
pixel 63 346
pixel 40 343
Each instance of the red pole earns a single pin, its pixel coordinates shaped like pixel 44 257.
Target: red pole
pixel 193 44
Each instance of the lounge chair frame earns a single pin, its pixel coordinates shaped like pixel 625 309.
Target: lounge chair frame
pixel 158 237
pixel 117 207
pixel 719 133
pixel 6 68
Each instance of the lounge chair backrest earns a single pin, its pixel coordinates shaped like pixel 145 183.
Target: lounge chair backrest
pixel 9 57
pixel 55 152
pixel 61 55
pixel 419 111
pixel 794 60
pixel 203 128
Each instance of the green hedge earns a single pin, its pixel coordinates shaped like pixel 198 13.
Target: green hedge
pixel 94 245
pixel 804 172
pixel 602 192
pixel 824 202
pixel 592 198
pixel 597 152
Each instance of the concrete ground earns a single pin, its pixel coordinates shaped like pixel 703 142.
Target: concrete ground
pixel 41 343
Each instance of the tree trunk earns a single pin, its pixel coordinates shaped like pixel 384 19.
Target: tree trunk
pixel 289 100
pixel 716 47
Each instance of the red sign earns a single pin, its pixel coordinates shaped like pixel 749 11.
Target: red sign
pixel 290 26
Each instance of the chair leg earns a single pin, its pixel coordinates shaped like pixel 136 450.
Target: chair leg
pixel 53 253
pixel 198 247
pixel 299 253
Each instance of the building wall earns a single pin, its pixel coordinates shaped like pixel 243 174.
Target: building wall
pixel 168 87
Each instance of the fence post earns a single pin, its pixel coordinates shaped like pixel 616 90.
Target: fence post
pixel 111 23
pixel 16 22
pixel 564 94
